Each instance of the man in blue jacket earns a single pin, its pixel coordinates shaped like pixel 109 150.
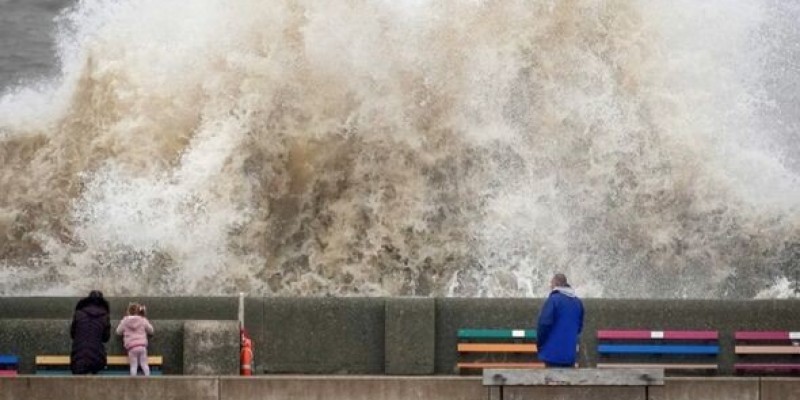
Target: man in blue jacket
pixel 560 325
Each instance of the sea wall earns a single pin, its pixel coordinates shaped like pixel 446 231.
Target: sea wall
pixel 394 336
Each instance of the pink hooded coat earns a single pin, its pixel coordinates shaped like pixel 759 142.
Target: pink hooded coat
pixel 135 330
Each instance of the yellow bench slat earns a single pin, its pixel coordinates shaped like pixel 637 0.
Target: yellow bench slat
pixel 500 365
pixel 111 360
pixel 497 347
pixel 123 360
pixel 767 349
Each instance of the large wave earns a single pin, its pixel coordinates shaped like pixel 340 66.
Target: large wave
pixel 376 147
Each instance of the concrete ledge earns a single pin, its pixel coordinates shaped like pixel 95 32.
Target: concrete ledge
pixel 709 388
pixel 780 388
pixel 88 387
pixel 354 387
pixel 302 387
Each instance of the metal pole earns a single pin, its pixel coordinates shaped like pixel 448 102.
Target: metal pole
pixel 241 310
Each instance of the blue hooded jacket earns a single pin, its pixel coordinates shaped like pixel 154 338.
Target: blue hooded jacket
pixel 560 324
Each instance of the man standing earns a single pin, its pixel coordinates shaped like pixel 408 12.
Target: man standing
pixel 560 324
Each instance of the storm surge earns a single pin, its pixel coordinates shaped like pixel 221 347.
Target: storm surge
pixel 405 148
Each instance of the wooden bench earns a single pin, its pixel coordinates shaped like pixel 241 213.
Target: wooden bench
pixel 497 348
pixel 767 352
pixel 671 350
pixel 498 379
pixel 9 365
pixel 116 365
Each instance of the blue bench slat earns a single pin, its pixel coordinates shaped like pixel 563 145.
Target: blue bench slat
pixel 656 349
pixel 7 359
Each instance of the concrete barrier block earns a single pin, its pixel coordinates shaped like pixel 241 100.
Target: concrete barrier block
pixel 729 388
pixel 410 336
pixel 211 348
pixel 323 335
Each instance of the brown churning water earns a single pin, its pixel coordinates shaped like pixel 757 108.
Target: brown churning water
pixel 377 147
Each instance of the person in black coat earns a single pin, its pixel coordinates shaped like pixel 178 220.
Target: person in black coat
pixel 90 329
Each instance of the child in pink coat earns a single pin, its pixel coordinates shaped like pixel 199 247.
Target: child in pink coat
pixel 135 327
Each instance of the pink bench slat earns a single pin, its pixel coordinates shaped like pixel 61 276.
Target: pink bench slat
pixel 762 335
pixel 765 366
pixel 8 372
pixel 668 335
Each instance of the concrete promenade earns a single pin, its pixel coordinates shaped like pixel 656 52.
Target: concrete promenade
pixel 351 387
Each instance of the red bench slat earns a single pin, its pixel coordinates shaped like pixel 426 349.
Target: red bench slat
pixel 667 335
pixel 762 335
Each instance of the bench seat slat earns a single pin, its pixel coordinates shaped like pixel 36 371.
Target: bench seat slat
pixel 763 335
pixel 112 372
pixel 767 349
pixel 480 365
pixel 656 335
pixel 766 366
pixel 497 348
pixel 656 349
pixel 111 360
pixel 497 334
pixel 8 372
pixel 8 359
pixel 658 365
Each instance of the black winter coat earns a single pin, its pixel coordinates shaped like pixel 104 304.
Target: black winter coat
pixel 90 329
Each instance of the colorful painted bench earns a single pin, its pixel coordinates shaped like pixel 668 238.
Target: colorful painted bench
pixel 767 352
pixel 116 365
pixel 671 350
pixel 497 348
pixel 9 364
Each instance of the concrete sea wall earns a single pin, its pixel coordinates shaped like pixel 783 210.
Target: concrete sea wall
pixel 374 336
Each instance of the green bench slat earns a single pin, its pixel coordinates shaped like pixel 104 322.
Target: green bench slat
pixel 497 334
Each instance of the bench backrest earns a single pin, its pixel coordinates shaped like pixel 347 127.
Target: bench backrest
pixel 496 348
pixel 668 349
pixel 767 352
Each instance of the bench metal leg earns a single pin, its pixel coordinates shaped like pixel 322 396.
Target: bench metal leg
pixel 494 389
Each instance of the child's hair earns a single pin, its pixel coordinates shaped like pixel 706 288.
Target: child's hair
pixel 133 308
pixel 142 311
